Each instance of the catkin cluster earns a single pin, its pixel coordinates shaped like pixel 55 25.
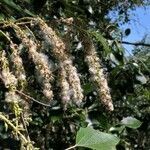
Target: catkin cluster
pixel 66 76
pixel 18 68
pixel 97 74
pixel 60 52
pixel 11 80
pixel 28 71
pixel 42 65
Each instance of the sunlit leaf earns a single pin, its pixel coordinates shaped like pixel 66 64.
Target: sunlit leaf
pixel 113 59
pixel 141 78
pixel 117 129
pixel 6 126
pixel 131 122
pixel 90 138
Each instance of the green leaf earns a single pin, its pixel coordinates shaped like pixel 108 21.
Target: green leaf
pixel 141 78
pixel 117 129
pixel 6 126
pixel 88 87
pixel 99 38
pixel 90 138
pixel 131 122
pixel 11 4
pixel 16 7
pixel 55 118
pixel 2 17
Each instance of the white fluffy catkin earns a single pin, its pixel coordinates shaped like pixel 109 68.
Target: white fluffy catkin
pixel 61 54
pixel 64 85
pixel 18 68
pixel 41 62
pixel 97 73
pixel 9 79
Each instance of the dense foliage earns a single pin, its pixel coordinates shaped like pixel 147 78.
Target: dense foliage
pixel 63 68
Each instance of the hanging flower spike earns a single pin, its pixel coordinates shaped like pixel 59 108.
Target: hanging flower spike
pixel 74 81
pixel 97 74
pixel 18 68
pixel 44 74
pixel 11 83
pixel 41 62
pixel 64 85
pixel 61 54
pixel 9 79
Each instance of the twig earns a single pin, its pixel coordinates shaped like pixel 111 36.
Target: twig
pixel 25 127
pixel 24 18
pixel 31 98
pixel 135 43
pixel 71 147
pixel 7 37
pixel 23 23
pixel 2 117
pixel 25 95
pixel 146 67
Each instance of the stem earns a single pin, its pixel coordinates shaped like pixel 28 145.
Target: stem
pixel 24 23
pixel 135 44
pixel 24 18
pixel 146 67
pixel 7 37
pixel 71 147
pixel 2 117
pixel 27 96
pixel 31 98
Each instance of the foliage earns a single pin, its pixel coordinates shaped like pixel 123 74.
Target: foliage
pixel 131 122
pixel 62 65
pixel 88 137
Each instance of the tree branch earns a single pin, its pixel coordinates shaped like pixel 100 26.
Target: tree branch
pixel 135 44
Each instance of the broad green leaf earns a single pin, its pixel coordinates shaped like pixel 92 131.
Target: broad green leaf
pixel 131 122
pixel 90 138
pixel 55 118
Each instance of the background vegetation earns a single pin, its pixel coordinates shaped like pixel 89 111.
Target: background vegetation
pixel 29 118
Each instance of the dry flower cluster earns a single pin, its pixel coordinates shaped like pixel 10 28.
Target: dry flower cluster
pixel 68 81
pixel 62 55
pixel 11 97
pixel 97 74
pixel 15 61
pixel 40 60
